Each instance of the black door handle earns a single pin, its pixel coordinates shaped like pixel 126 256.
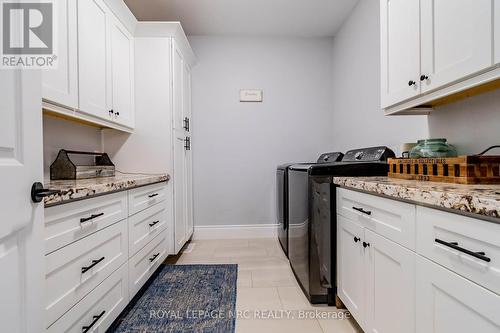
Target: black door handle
pixel 94 262
pixel 93 216
pixel 154 257
pixel 361 210
pixel 85 329
pixel 154 223
pixel 365 245
pixel 38 192
pixel 454 245
pixel 356 239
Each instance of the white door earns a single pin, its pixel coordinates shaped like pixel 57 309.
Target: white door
pixel 122 68
pixel 177 86
pixel 179 179
pixel 448 303
pixel 94 70
pixel 61 85
pixel 400 50
pixel 390 286
pixel 456 40
pixel 352 268
pixel 21 233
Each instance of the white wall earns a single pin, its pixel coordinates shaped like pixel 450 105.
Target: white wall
pixel 358 120
pixel 237 146
pixel 148 149
pixel 62 134
pixel 472 125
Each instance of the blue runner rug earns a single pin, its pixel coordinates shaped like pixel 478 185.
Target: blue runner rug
pixel 184 298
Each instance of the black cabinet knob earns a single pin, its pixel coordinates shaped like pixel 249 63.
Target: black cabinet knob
pixel 412 83
pixel 365 244
pixel 424 77
pixel 111 111
pixel 356 239
pixel 117 114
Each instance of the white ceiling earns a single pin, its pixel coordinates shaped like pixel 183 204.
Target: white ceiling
pixel 306 18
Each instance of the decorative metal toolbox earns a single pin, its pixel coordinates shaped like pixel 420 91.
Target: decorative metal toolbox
pixel 64 168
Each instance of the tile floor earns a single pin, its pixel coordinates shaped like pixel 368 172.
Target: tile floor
pixel 267 287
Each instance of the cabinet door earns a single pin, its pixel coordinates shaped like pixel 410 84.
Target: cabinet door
pixel 448 303
pixel 400 50
pixel 60 85
pixel 189 153
pixel 179 179
pixel 93 58
pixel 351 265
pixel 177 86
pixel 390 286
pixel 122 73
pixel 456 40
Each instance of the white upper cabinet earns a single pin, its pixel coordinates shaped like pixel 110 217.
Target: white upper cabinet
pixel 400 48
pixel 122 69
pixel 94 65
pixel 60 85
pixel 456 40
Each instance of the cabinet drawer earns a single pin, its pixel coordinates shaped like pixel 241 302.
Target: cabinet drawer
pixel 67 223
pixel 99 308
pixel 146 225
pixel 435 227
pixel 147 196
pixel 448 303
pixel 145 262
pixel 392 219
pixel 66 281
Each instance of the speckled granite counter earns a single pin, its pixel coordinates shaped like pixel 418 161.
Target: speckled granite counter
pixel 472 199
pixel 71 190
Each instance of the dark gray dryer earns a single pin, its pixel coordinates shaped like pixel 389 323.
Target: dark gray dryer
pixel 282 195
pixel 312 217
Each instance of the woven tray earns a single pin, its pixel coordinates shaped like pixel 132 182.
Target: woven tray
pixel 474 169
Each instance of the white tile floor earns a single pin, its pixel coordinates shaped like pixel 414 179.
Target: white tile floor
pixel 266 282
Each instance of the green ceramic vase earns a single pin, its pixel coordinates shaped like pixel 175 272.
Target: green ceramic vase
pixel 432 148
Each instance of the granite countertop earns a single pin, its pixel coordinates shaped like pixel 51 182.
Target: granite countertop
pixel 474 199
pixel 71 190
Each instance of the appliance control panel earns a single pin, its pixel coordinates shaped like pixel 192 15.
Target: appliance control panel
pixel 330 157
pixel 368 154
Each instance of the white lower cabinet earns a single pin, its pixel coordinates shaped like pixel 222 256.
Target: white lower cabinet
pixel 96 266
pixel 449 303
pixel 444 287
pixel 376 280
pixel 76 269
pixel 390 286
pixel 351 285
pixel 146 261
pixel 97 311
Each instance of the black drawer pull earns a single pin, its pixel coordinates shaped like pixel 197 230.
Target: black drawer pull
pixel 454 245
pixel 153 195
pixel 94 262
pixel 154 223
pixel 85 329
pixel 356 239
pixel 93 216
pixel 361 210
pixel 154 257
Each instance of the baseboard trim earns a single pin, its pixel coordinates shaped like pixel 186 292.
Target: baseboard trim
pixel 235 231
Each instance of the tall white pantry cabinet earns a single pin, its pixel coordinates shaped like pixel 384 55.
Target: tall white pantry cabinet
pixel 162 134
